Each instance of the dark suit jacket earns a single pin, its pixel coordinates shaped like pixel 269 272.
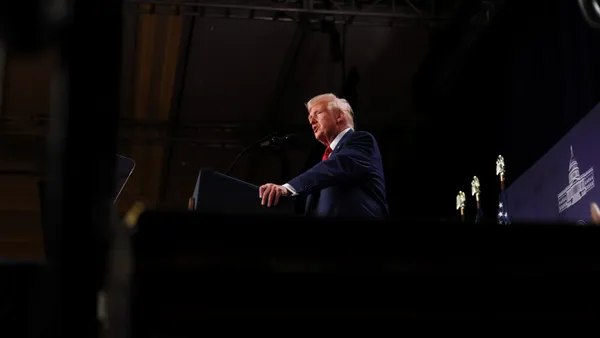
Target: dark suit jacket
pixel 350 183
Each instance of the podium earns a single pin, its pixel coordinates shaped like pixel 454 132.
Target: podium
pixel 217 193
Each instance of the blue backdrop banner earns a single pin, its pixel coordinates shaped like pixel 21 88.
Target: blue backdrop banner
pixel 561 185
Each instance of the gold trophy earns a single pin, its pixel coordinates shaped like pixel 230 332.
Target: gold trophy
pixel 460 204
pixel 476 190
pixel 500 170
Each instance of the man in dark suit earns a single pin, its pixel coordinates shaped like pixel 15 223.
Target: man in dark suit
pixel 349 181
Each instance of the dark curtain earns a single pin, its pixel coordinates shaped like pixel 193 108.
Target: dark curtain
pixel 554 78
pixel 534 74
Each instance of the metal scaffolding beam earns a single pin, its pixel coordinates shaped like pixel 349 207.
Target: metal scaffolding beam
pixel 147 132
pixel 390 13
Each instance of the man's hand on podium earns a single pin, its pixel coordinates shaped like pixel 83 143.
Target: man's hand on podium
pixel 595 214
pixel 270 193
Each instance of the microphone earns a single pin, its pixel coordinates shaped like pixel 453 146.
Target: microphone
pixel 277 140
pixel 268 140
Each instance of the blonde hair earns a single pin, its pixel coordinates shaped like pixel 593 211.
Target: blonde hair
pixel 333 102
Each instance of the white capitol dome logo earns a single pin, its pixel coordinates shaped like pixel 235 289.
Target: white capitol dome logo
pixel 579 185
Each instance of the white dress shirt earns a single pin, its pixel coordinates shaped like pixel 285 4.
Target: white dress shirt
pixel 332 145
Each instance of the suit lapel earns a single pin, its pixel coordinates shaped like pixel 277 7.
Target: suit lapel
pixel 343 141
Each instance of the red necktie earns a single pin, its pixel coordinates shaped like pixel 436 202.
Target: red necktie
pixel 327 153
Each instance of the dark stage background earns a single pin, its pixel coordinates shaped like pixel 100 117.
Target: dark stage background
pixel 443 99
pixel 532 75
pixel 194 96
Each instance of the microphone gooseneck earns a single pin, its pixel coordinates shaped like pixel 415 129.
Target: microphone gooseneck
pixel 277 141
pixel 252 145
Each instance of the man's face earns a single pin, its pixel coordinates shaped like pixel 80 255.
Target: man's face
pixel 324 122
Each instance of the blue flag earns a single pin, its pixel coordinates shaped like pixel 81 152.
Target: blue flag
pixel 502 213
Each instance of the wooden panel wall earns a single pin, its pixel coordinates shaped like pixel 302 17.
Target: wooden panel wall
pixel 151 54
pixel 152 79
pixel 26 95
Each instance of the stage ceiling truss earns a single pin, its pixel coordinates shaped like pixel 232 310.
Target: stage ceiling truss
pixel 354 12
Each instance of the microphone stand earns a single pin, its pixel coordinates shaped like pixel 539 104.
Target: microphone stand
pixel 252 145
